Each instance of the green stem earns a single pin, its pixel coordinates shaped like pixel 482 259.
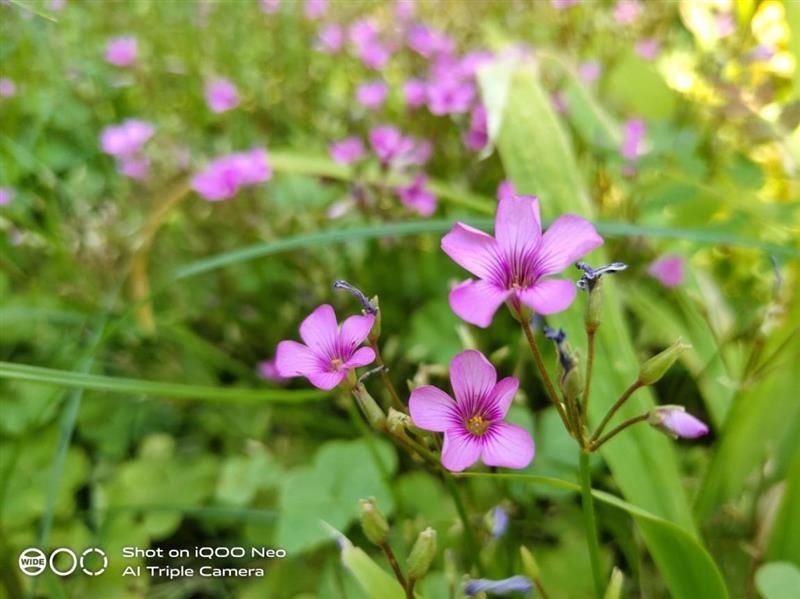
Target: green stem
pixel 472 544
pixel 594 445
pixel 636 385
pixel 587 386
pixel 387 382
pixel 590 523
pixel 548 384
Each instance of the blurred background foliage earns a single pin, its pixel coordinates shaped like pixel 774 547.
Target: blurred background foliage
pixel 102 274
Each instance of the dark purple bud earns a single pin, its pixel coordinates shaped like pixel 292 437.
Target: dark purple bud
pixel 515 584
pixel 591 275
pixel 368 306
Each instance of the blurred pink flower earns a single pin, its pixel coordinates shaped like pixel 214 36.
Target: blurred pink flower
pixel 127 138
pixel 396 150
pixel 6 195
pixel 223 177
pixel 404 9
pixel 330 38
pixel 315 9
pixel 362 32
pixel 416 197
pixel 270 7
pixel 512 265
pixel 122 51
pixel 374 55
pixel 726 24
pixel 469 64
pixel 632 146
pixel 473 424
pixel 669 270
pixel 135 167
pixel 7 88
pixel 627 12
pixel 268 370
pixel 478 135
pixel 330 351
pixel 589 71
pixel 428 42
pixel 450 95
pixel 57 5
pixel 347 151
pixel 415 92
pixel 648 48
pixel 677 422
pixel 221 95
pixel 372 94
pixel 559 102
pixel 563 4
pixel 505 190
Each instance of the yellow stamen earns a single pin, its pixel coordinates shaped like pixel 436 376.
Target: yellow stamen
pixel 477 425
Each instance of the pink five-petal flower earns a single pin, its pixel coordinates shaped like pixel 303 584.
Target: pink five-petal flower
pixel 122 51
pixel 474 424
pixel 513 264
pixel 221 95
pixel 677 422
pixel 330 351
pixel 347 151
pixel 417 197
pixel 669 270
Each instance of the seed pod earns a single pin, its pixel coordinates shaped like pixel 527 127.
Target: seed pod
pixel 657 366
pixel 374 525
pixel 422 554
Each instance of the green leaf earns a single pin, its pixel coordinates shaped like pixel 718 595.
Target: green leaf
pixel 688 569
pixel 78 380
pixel 375 581
pixel 539 160
pixel 784 542
pixel 778 580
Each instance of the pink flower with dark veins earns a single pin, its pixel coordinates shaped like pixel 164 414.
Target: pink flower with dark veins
pixel 513 265
pixel 221 95
pixel 330 351
pixel 122 51
pixel 473 423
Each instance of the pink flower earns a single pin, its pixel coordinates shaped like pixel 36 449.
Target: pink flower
pixel 589 71
pixel 135 167
pixel 428 42
pixel 330 38
pixel 563 4
pixel 669 270
pixel 559 102
pixel 374 55
pixel 648 48
pixel 396 150
pixel 122 51
pixel 416 197
pixel 6 195
pixel 372 94
pixel 362 32
pixel 512 265
pixel 330 351
pixel 223 177
pixel 505 190
pixel 677 422
pixel 347 151
pixel 221 95
pixel 415 92
pixel 627 12
pixel 470 63
pixel 635 130
pixel 127 138
pixel 270 7
pixel 449 95
pixel 315 9
pixel 726 24
pixel 7 88
pixel 478 135
pixel 473 424
pixel 404 9
pixel 268 370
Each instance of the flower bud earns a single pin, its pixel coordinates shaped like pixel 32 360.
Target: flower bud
pixel 374 525
pixel 571 383
pixel 614 589
pixel 497 521
pixel 515 584
pixel 677 422
pixel 375 333
pixel 422 554
pixel 397 422
pixel 652 370
pixel 594 306
pixel 371 410
pixel 529 565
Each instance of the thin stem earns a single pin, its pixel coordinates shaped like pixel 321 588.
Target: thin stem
pixel 587 386
pixel 590 523
pixel 410 588
pixel 636 385
pixel 462 513
pixel 387 382
pixel 548 384
pixel 595 445
pixel 387 550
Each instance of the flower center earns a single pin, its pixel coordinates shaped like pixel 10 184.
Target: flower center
pixel 337 364
pixel 477 425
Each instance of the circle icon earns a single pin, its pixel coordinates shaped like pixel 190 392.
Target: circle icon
pixel 32 561
pixel 59 551
pixel 99 552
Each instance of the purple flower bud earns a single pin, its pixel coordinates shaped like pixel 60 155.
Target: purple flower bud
pixel 515 584
pixel 677 422
pixel 499 521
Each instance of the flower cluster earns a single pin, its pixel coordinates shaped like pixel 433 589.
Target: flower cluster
pixel 223 177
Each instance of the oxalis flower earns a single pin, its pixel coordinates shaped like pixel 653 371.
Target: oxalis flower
pixel 473 424
pixel 512 265
pixel 330 351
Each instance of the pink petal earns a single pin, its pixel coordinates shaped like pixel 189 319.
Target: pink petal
pixel 517 225
pixel 361 357
pixel 319 330
pixel 477 301
pixel 295 359
pixel 508 445
pixel 472 376
pixel 565 241
pixel 668 270
pixel 354 330
pixel 326 380
pixel 432 409
pixel 549 296
pixel 460 451
pixel 503 394
pixel 471 249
